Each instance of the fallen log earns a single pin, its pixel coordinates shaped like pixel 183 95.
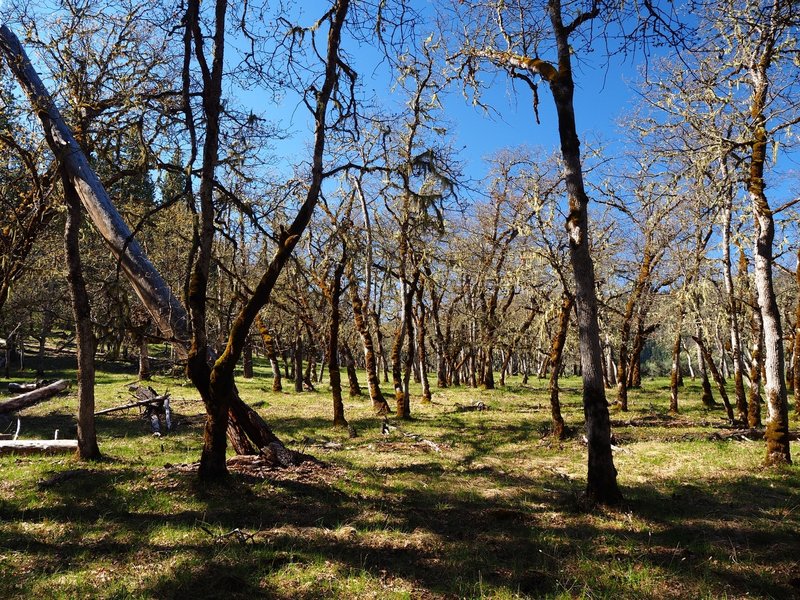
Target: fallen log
pixel 38 446
pixel 747 435
pixel 154 406
pixel 35 397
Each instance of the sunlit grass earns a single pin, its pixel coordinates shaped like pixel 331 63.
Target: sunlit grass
pixel 496 512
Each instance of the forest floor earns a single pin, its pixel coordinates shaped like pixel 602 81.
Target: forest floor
pixel 452 504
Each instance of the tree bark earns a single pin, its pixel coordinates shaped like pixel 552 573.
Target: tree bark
pixel 146 281
pixel 144 358
pixel 272 356
pixel 379 404
pixel 84 334
pixel 556 354
pixel 352 375
pixel 732 303
pixel 422 354
pixel 298 363
pixel 333 344
pixel 602 475
pixel 796 351
pixel 247 359
pixel 624 366
pixel 676 367
pixel 709 361
pixel 777 435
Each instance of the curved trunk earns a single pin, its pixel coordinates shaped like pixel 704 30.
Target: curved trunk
pixel 165 309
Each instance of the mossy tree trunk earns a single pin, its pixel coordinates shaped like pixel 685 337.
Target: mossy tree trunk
pixel 777 435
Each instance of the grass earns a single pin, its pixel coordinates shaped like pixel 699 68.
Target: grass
pixel 497 513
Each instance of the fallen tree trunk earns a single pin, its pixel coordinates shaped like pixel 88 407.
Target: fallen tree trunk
pixel 38 446
pixel 35 397
pixel 19 388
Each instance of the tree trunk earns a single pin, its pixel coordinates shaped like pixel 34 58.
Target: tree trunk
pixel 689 363
pixel 602 476
pixel 709 361
pixel 707 397
pixel 247 359
pixel 777 435
pixel 167 312
pixel 404 397
pixel 352 375
pixel 441 348
pixel 84 335
pixel 732 302
pixel 47 324
pixel 298 363
pixel 556 353
pixel 756 365
pixel 272 356
pixel 796 351
pixel 488 369
pixel 144 358
pixel 676 367
pixel 333 345
pixel 397 372
pixel 505 367
pixel 422 352
pixel 379 404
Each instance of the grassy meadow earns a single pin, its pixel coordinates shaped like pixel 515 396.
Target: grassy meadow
pixel 452 504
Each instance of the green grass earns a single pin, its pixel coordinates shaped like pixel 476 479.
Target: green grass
pixel 498 513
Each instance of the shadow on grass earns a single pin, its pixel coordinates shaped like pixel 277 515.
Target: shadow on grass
pixel 531 538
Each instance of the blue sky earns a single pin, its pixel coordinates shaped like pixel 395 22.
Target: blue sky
pixel 601 96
